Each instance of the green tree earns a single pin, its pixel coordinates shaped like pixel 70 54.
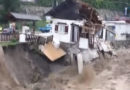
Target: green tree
pixel 109 4
pixel 11 5
pixel 47 2
pixel 44 2
pixel 8 6
pixel 0 1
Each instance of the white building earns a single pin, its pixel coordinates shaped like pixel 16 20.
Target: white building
pixel 66 30
pixel 74 25
pixel 68 22
pixel 116 30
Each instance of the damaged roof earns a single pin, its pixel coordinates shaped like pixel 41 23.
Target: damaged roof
pixel 74 10
pixel 66 10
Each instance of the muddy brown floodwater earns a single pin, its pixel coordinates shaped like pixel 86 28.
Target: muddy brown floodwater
pixel 103 74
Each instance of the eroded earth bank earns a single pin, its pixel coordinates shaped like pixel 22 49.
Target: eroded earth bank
pixel 22 68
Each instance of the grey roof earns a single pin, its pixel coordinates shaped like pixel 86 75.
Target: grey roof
pixel 25 16
pixel 27 0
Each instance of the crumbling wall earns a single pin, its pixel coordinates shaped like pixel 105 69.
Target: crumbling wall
pixel 120 44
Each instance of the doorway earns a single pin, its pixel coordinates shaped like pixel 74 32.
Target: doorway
pixel 75 33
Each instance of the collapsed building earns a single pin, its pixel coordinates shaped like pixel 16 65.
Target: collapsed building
pixel 74 27
pixel 73 19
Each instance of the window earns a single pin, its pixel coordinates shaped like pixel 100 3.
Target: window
pixel 112 28
pixel 66 29
pixel 56 28
pixel 61 28
pixel 110 36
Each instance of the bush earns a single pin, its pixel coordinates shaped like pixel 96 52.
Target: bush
pixel 14 40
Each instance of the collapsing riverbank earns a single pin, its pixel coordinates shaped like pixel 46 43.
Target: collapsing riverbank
pixel 25 65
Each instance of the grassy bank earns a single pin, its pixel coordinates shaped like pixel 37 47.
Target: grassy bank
pixel 10 43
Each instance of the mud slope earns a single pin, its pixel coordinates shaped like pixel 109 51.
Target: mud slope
pixel 25 65
pixel 5 77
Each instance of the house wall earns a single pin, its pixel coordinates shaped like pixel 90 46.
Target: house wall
pixel 121 28
pixel 64 37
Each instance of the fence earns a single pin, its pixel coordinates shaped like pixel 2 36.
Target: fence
pixel 9 37
pixel 31 38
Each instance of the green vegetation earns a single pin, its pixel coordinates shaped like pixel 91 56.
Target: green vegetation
pixel 47 2
pixel 8 6
pixel 41 23
pixel 109 4
pixel 14 6
pixel 105 4
pixel 9 43
pixel 44 2
pixel 12 42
